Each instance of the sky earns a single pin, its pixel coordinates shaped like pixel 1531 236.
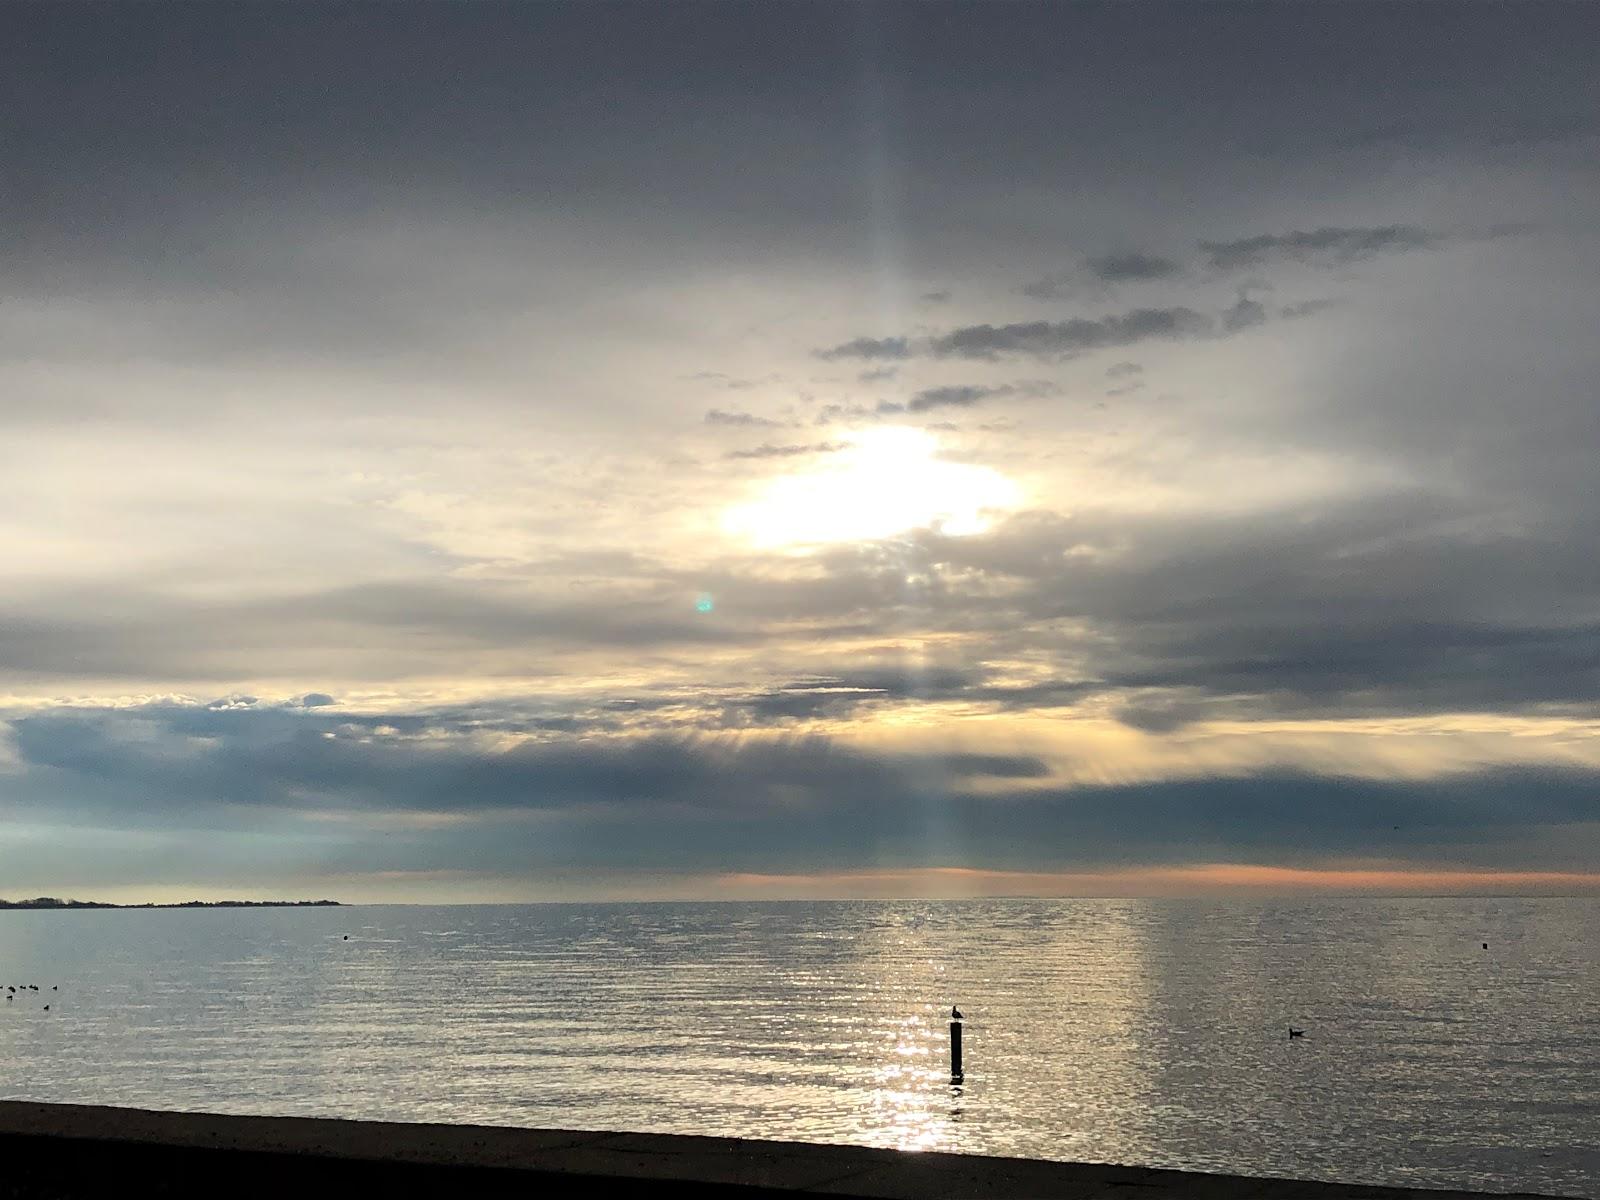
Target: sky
pixel 466 452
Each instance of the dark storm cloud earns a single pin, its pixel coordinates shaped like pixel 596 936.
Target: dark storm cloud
pixel 1328 246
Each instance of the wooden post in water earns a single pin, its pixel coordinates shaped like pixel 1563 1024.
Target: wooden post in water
pixel 955 1051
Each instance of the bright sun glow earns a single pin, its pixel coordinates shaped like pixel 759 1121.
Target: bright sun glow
pixel 887 481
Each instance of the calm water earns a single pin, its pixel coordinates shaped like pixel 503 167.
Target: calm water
pixel 1149 1032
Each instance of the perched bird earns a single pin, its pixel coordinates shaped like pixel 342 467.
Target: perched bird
pixel 1294 1033
pixel 1486 945
pixel 955 1013
pixel 47 1008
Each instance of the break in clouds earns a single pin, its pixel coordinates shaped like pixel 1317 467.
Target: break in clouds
pixel 472 483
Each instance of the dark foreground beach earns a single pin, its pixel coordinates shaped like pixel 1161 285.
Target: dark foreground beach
pixel 65 1150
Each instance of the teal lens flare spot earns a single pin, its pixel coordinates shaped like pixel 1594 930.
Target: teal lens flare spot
pixel 704 604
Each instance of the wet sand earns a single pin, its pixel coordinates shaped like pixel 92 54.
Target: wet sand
pixel 69 1151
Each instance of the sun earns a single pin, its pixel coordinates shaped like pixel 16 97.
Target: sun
pixel 884 482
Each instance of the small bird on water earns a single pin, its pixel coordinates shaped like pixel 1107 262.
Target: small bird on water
pixel 1295 1033
pixel 955 1013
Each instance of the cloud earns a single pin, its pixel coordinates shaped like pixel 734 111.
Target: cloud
pixel 1245 314
pixel 278 426
pixel 1133 268
pixel 719 417
pixel 1305 308
pixel 833 697
pixel 189 757
pixel 731 383
pixel 768 450
pixel 1052 287
pixel 1326 246
pixel 970 395
pixel 1503 129
pixel 1300 613
pixel 950 397
pixel 740 802
pixel 1095 273
pixel 870 348
pixel 1059 339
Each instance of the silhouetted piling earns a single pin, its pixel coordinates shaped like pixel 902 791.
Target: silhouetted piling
pixel 955 1052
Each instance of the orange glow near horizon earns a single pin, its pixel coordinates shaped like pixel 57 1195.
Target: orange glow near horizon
pixel 1198 880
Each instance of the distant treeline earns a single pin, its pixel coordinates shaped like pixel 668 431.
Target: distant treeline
pixel 52 902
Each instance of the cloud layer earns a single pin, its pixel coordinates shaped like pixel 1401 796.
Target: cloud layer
pixel 375 432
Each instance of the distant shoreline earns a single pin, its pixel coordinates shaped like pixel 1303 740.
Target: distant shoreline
pixel 50 902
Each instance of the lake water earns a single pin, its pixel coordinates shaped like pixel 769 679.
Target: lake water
pixel 1148 1032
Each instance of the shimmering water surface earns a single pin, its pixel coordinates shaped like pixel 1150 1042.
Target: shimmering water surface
pixel 1150 1032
